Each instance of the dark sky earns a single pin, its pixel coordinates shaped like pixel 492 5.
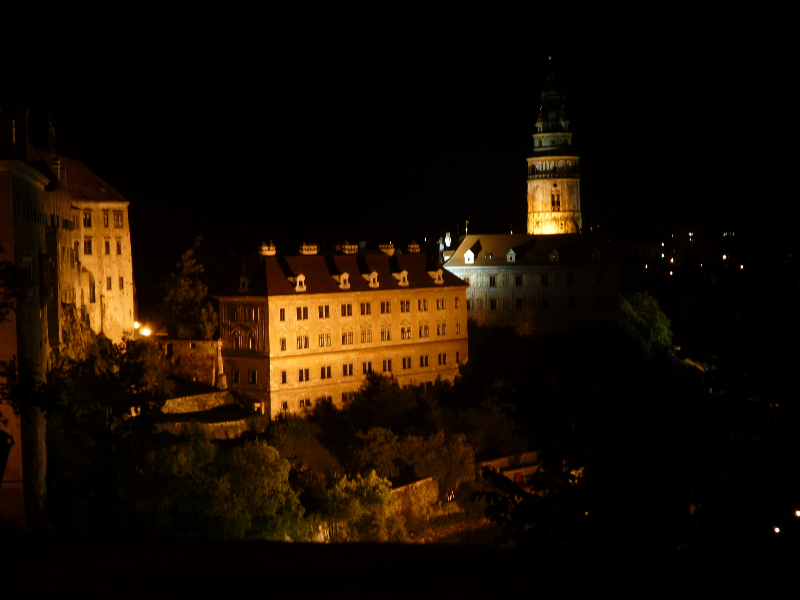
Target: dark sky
pixel 363 127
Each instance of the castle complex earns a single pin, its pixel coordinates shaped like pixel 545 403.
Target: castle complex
pixel 309 327
pixel 554 277
pixel 68 231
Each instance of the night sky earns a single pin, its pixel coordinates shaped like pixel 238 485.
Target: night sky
pixel 364 127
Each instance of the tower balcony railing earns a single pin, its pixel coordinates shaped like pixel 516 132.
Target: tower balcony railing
pixel 553 174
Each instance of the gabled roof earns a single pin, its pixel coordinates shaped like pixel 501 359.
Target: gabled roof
pixel 528 249
pixel 81 181
pixel 272 275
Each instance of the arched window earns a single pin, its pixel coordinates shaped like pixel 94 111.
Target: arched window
pixel 236 340
pixel 251 342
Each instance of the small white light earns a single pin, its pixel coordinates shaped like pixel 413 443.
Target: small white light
pixel 741 267
pixel 672 260
pixel 797 513
pixel 136 324
pixel 662 255
pixel 670 272
pixel 724 257
pixel 146 331
pixel 777 530
pixel 645 266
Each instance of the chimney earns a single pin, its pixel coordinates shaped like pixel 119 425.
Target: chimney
pixel 350 248
pixel 387 248
pixel 413 247
pixel 308 249
pixel 267 250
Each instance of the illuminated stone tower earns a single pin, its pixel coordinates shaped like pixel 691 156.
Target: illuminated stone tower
pixel 554 198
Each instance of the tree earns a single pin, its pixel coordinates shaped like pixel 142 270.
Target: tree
pixel 645 322
pixel 378 452
pixel 189 315
pixel 361 509
pixel 448 459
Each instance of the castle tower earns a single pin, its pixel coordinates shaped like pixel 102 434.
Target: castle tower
pixel 554 199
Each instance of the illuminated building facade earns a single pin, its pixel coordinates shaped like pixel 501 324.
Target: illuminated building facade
pixel 537 283
pixel 311 326
pixel 67 230
pixel 554 194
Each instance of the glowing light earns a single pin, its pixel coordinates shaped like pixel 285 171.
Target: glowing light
pixel 136 324
pixel 797 513
pixel 670 272
pixel 662 255
pixel 662 244
pixel 146 331
pixel 724 257
pixel 645 266
pixel 777 530
pixel 741 267
pixel 672 260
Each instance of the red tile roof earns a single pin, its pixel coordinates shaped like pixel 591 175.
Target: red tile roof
pixel 81 182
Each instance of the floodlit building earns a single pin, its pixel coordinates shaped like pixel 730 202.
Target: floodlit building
pixel 554 277
pixel 554 198
pixel 309 327
pixel 67 230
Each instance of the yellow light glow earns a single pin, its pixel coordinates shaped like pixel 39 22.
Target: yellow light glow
pixel 672 260
pixel 741 266
pixel 146 331
pixel 645 266
pixel 136 324
pixel 777 530
pixel 662 243
pixel 724 257
pixel 670 272
pixel 797 513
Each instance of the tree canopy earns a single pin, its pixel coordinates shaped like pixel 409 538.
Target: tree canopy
pixel 189 314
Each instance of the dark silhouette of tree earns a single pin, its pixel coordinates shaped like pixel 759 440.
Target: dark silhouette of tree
pixel 189 314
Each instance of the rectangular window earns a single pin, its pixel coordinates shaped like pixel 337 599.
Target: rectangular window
pixel 347 338
pixel 119 247
pixel 423 361
pixel 325 373
pixel 87 219
pixel 544 279
pixel 458 358
pixel 105 218
pixel 118 220
pixel 366 367
pixel 347 310
pixel 366 336
pixel 492 304
pixel 458 327
pixel 456 301
pixel 492 281
pixel 406 363
pixel 422 304
pixel 443 359
pixel 108 247
pixel 282 314
pixel 324 312
pixel 234 315
pixel 108 283
pixel 518 280
pixel 283 344
pixel 440 303
pixel 405 306
pixel 302 342
pixel 253 377
pixel 283 376
pixel 347 370
pixel 366 308
pixel 302 375
pixel 386 335
pixel 405 333
pixel 387 365
pixel 236 376
pixel 121 283
pixel 285 405
pixel 87 246
pixel 302 313
pixel 386 308
pixel 469 305
pixel 348 396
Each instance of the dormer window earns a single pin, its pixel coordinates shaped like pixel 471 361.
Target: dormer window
pixel 488 256
pixel 436 276
pixel 554 255
pixel 300 283
pixel 344 281
pixel 469 257
pixel 402 278
pixel 372 279
pixel 511 256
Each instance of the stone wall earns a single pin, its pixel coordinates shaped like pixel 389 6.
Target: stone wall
pixel 201 402
pixel 225 430
pixel 198 360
